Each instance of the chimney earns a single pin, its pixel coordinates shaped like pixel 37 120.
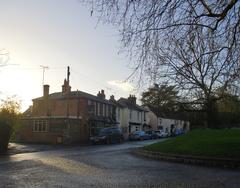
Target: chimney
pixel 45 90
pixel 132 99
pixel 101 94
pixel 66 87
pixel 112 98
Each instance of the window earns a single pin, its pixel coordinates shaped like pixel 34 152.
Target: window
pixel 97 109
pixel 118 113
pixel 90 102
pixel 138 115
pixel 90 107
pixel 40 126
pixel 130 114
pixel 98 106
pixel 110 111
pixel 101 109
pixel 107 112
pixel 104 108
pixel 160 127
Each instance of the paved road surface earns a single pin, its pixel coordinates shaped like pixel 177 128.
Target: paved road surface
pixel 107 166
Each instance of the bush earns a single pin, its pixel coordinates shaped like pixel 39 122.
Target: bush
pixel 9 112
pixel 5 133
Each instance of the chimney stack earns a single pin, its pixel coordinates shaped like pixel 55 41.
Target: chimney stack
pixel 66 87
pixel 45 90
pixel 112 98
pixel 132 99
pixel 101 94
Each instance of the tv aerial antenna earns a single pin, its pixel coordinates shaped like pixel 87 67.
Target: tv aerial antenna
pixel 44 67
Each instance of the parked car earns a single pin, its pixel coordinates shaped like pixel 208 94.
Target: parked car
pixel 161 134
pixel 178 132
pixel 108 135
pixel 152 134
pixel 139 135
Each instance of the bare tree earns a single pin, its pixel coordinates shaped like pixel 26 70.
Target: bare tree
pixel 192 43
pixel 147 25
pixel 199 67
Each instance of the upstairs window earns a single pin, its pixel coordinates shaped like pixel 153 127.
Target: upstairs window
pixel 110 111
pixel 101 109
pixel 119 114
pixel 107 112
pixel 104 110
pixel 90 107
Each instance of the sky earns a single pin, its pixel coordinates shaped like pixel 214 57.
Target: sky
pixel 57 34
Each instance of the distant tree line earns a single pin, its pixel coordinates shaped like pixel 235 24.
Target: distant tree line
pixel 166 100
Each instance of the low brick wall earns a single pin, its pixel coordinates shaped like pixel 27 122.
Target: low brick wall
pixel 196 160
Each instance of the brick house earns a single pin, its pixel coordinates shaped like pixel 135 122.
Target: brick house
pixel 66 117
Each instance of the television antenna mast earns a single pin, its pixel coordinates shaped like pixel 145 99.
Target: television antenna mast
pixel 43 68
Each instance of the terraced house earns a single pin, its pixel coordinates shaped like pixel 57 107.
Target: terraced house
pixel 130 116
pixel 66 117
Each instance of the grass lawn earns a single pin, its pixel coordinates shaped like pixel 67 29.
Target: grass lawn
pixel 211 143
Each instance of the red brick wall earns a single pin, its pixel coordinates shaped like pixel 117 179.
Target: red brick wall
pixel 77 132
pixel 58 107
pixel 25 134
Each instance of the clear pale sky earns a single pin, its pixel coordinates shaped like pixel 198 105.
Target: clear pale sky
pixel 58 33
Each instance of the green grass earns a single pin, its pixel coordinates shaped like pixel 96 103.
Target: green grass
pixel 210 143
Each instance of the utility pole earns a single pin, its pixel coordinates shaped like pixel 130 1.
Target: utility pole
pixel 68 74
pixel 68 90
pixel 44 68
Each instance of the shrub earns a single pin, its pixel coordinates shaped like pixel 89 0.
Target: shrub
pixel 9 112
pixel 5 133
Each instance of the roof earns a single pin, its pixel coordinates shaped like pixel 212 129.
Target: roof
pixel 28 112
pixel 118 103
pixel 75 94
pixel 127 103
pixel 171 115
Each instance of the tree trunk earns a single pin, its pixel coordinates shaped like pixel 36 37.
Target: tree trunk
pixel 211 113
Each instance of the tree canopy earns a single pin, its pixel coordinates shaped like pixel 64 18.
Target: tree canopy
pixel 147 26
pixel 160 99
pixel 194 45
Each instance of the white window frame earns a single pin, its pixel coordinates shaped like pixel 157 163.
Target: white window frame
pixel 40 126
pixel 107 112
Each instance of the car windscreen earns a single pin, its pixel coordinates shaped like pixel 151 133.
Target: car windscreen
pixel 138 133
pixel 104 132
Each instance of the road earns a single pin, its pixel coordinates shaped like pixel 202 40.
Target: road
pixel 107 166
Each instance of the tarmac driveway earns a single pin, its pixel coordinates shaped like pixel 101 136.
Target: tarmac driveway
pixel 106 166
